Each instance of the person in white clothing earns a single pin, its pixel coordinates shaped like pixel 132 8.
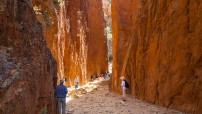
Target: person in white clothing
pixel 76 82
pixel 123 86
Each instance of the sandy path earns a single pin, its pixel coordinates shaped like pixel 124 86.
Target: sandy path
pixel 101 101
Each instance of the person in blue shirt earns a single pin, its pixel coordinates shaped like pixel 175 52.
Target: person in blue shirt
pixel 61 91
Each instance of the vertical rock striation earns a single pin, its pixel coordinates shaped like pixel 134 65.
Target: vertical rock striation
pixel 87 45
pixel 97 42
pixel 74 31
pixel 27 68
pixel 157 46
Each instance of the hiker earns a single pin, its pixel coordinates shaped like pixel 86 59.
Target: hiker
pixel 61 91
pixel 123 85
pixel 107 74
pixel 76 82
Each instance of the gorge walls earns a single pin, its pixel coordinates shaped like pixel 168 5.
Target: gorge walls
pixel 28 72
pixel 97 42
pixel 74 31
pixel 157 47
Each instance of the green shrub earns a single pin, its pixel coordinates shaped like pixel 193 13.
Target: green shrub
pixel 46 17
pixel 43 111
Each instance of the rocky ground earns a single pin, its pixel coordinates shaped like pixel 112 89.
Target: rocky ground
pixel 95 98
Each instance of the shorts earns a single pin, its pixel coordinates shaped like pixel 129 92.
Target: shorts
pixel 76 86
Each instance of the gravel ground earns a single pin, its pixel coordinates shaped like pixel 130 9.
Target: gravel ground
pixel 96 99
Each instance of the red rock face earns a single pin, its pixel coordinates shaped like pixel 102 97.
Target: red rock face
pixel 75 37
pixel 157 47
pixel 97 43
pixel 87 46
pixel 27 68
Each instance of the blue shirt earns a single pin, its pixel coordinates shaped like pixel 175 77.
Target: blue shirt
pixel 61 91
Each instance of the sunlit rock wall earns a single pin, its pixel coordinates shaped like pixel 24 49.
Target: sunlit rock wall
pixel 52 15
pixel 88 47
pixel 74 31
pixel 28 72
pixel 157 47
pixel 97 43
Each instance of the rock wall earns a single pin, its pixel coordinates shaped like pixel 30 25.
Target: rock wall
pixel 88 46
pixel 97 42
pixel 74 31
pixel 157 47
pixel 27 68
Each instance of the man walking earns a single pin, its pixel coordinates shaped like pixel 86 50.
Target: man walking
pixel 61 91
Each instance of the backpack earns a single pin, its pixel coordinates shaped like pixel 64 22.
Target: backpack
pixel 126 84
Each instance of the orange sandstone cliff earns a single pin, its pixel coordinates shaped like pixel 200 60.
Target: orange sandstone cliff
pixel 74 31
pixel 157 47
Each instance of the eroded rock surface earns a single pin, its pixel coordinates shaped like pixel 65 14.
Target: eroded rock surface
pixel 74 31
pixel 157 46
pixel 28 72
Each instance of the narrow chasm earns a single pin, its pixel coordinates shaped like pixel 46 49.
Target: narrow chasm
pixel 112 56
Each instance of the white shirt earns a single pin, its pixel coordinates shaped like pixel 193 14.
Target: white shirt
pixel 76 81
pixel 123 84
